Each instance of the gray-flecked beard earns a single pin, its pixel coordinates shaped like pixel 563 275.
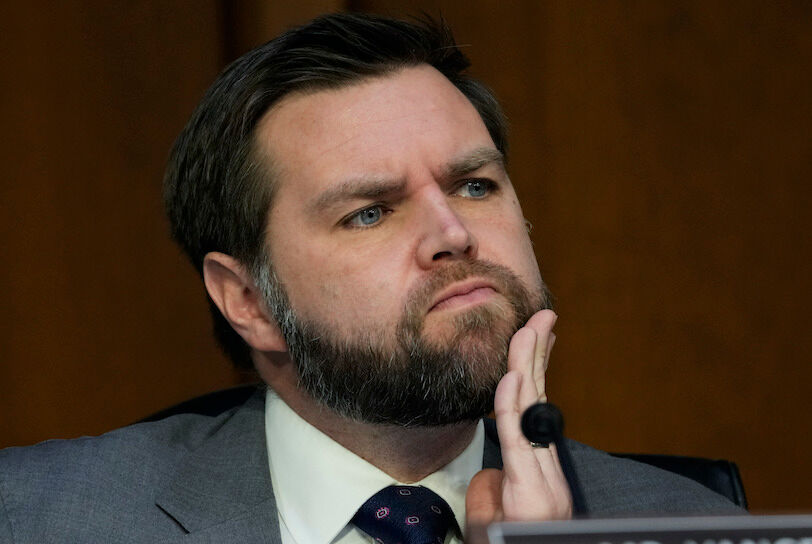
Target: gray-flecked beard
pixel 400 377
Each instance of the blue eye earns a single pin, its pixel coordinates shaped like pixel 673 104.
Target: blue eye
pixel 366 217
pixel 475 188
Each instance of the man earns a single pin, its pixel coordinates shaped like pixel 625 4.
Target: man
pixel 342 191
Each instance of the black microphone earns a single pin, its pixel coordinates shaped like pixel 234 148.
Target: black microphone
pixel 542 425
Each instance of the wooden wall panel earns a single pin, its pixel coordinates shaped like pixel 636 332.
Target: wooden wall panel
pixel 661 150
pixel 103 321
pixel 678 149
pixel 249 23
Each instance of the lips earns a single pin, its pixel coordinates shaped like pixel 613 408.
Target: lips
pixel 469 292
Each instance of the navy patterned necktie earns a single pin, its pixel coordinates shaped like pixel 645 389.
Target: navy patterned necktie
pixel 401 514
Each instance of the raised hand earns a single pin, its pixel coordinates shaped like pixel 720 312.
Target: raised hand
pixel 531 486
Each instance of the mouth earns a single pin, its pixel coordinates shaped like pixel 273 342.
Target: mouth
pixel 463 294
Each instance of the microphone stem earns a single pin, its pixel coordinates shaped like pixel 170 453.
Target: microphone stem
pixel 578 505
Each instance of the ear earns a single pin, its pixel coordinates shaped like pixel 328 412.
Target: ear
pixel 234 292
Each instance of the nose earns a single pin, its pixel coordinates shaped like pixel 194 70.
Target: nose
pixel 444 235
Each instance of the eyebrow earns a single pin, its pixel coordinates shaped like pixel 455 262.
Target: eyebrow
pixel 364 188
pixel 473 161
pixel 380 188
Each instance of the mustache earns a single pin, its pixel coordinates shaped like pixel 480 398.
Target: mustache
pixel 505 282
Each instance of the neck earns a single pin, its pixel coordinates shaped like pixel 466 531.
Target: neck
pixel 407 454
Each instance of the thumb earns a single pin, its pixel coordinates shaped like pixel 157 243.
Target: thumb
pixel 483 500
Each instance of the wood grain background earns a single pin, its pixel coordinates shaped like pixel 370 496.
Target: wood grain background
pixel 662 151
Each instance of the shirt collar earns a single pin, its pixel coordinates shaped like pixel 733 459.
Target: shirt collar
pixel 319 484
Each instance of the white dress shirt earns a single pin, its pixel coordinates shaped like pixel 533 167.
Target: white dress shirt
pixel 319 484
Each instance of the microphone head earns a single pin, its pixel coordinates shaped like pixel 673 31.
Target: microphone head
pixel 543 423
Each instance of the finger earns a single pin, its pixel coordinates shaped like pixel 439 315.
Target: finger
pixel 556 480
pixel 542 322
pixel 519 461
pixel 533 487
pixel 528 394
pixel 520 359
pixel 549 462
pixel 557 461
pixel 550 344
pixel 540 378
pixel 521 350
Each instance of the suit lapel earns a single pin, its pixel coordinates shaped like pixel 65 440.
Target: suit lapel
pixel 223 493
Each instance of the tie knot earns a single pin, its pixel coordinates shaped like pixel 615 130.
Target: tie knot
pixel 401 514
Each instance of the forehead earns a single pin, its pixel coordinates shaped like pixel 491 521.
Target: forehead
pixel 393 125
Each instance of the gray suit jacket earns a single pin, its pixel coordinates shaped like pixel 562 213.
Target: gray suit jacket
pixel 206 479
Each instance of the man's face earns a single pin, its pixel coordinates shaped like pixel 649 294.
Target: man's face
pixel 399 244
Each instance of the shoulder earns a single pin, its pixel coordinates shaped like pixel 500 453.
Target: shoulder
pixel 615 486
pixel 114 477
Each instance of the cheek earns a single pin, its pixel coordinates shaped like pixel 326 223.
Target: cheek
pixel 344 286
pixel 505 240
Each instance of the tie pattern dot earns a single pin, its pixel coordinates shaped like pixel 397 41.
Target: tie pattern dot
pixel 401 514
